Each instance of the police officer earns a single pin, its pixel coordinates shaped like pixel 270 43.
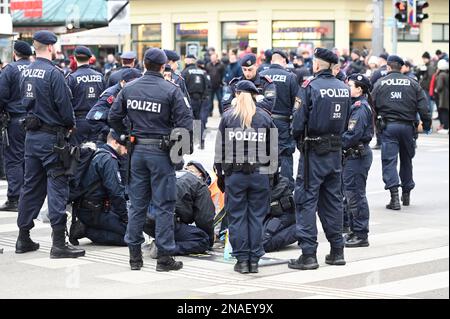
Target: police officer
pixel 378 74
pixel 154 107
pixel 194 227
pixel 287 88
pixel 197 86
pixel 397 99
pixel 102 211
pixel 98 115
pixel 86 85
pixel 244 132
pixel 12 113
pixel 266 88
pixel 50 116
pixel 172 59
pixel 357 160
pixel 319 121
pixel 115 75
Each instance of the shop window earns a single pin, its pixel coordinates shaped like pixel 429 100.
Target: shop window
pixel 145 36
pixel 191 38
pixel 302 35
pixel 360 35
pixel 239 35
pixel 440 32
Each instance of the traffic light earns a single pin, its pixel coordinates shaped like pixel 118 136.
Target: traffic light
pixel 402 14
pixel 420 16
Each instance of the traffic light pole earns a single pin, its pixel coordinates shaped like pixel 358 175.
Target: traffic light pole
pixel 378 27
pixel 394 29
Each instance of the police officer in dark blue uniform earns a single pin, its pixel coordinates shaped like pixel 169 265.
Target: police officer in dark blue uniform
pixel 244 134
pixel 98 115
pixel 357 160
pixel 86 85
pixel 397 99
pixel 197 86
pixel 102 211
pixel 287 88
pixel 12 112
pixel 154 107
pixel 378 74
pixel 266 88
pixel 50 116
pixel 319 121
pixel 172 58
pixel 128 59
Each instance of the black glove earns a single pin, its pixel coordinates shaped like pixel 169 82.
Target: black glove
pixel 221 183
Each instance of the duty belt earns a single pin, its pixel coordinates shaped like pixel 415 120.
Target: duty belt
pixel 286 118
pixel 400 121
pixel 52 129
pixel 246 168
pixel 148 141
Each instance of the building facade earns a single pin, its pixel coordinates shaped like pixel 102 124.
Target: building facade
pixel 192 26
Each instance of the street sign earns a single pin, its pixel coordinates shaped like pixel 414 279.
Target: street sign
pixel 414 31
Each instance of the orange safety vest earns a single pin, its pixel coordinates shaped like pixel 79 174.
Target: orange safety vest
pixel 217 196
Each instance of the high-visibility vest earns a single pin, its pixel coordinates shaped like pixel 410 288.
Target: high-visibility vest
pixel 217 196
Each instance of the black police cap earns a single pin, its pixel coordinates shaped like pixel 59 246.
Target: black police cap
pixel 117 138
pixel 246 86
pixel 172 55
pixel 23 48
pixel 361 80
pixel 82 50
pixel 282 53
pixel 129 75
pixel 45 37
pixel 129 55
pixel 395 58
pixel 154 55
pixel 326 55
pixel 248 60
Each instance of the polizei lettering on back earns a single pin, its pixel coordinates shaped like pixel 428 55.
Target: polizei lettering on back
pixel 247 136
pixel 146 106
pixel 402 82
pixel 89 78
pixel 34 73
pixel 335 92
pixel 277 77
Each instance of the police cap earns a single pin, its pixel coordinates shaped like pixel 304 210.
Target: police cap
pixel 23 48
pixel 129 75
pixel 130 55
pixel 395 58
pixel 280 52
pixel 248 60
pixel 326 55
pixel 154 55
pixel 82 50
pixel 45 37
pixel 172 55
pixel 117 138
pixel 361 80
pixel 246 86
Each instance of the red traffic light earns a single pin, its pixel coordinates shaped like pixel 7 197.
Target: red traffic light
pixel 401 5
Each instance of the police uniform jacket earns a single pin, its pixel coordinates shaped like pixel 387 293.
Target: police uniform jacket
pixel 10 97
pixel 100 110
pixel 196 82
pixel 378 74
pixel 360 124
pixel 116 75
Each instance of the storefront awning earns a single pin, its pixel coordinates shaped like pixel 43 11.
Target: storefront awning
pixel 99 36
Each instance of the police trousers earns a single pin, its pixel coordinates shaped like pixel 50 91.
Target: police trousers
pixel 40 180
pixel 354 177
pixel 152 180
pixel 200 109
pixel 398 140
pixel 279 232
pixel 106 228
pixel 14 157
pixel 323 196
pixel 247 201
pixel 286 147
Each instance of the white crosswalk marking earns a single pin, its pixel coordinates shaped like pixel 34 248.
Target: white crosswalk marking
pixel 13 227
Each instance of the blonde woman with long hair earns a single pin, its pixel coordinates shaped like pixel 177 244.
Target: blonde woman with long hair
pixel 243 132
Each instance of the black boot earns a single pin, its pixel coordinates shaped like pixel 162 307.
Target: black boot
pixel 253 265
pixel 167 263
pixel 405 198
pixel 77 231
pixel 24 243
pixel 395 202
pixel 136 261
pixel 304 262
pixel 11 205
pixel 242 267
pixel 336 257
pixel 356 241
pixel 60 249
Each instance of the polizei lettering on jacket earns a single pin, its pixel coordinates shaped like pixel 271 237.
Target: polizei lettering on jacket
pixel 146 106
pixel 399 82
pixel 246 136
pixel 89 78
pixel 34 73
pixel 334 92
pixel 277 77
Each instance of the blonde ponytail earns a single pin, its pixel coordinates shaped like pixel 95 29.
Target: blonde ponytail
pixel 245 108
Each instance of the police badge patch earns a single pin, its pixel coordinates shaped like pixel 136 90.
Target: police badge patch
pixel 298 103
pixel 351 124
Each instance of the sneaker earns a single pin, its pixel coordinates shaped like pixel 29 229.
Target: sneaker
pixel 443 131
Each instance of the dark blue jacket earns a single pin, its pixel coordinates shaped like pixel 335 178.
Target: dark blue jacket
pixel 105 167
pixel 360 124
pixel 10 97
pixel 153 105
pixel 86 85
pixel 100 110
pixel 116 75
pixel 324 107
pixel 179 80
pixel 46 94
pixel 378 74
pixel 233 70
pixel 286 86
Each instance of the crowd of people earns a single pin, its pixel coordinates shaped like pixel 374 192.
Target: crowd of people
pixel 98 137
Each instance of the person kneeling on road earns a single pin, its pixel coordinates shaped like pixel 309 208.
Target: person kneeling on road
pixel 193 206
pixel 102 210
